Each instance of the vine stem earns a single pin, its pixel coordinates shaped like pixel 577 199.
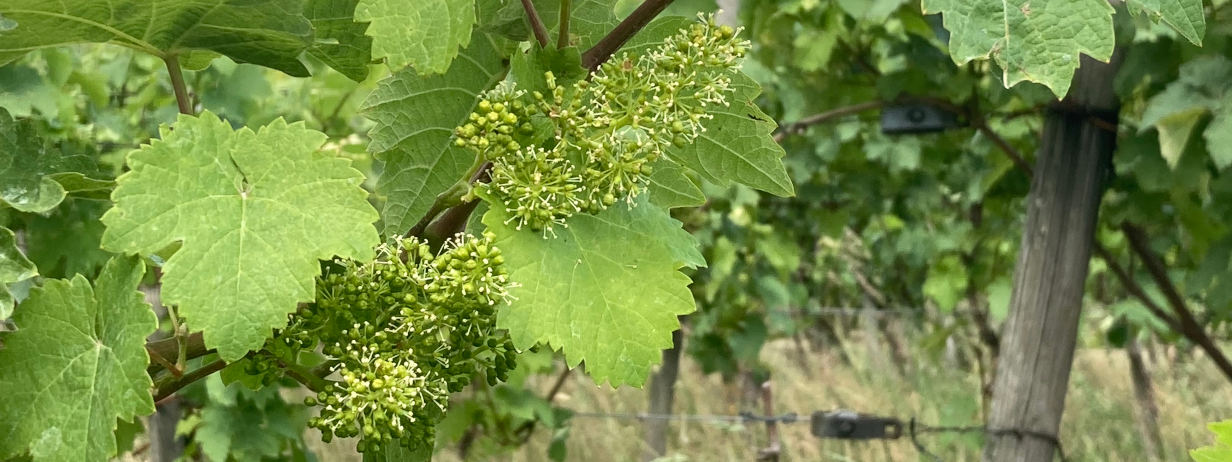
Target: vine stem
pixel 562 37
pixel 450 197
pixel 306 377
pixel 800 125
pixel 1190 327
pixel 536 23
pixel 168 387
pixel 177 84
pixel 598 54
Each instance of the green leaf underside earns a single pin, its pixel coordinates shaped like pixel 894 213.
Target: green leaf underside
pixel 737 146
pixel 270 33
pixel 65 242
pixel 1184 16
pixel 671 188
pixel 415 116
pixel 1201 88
pixel 605 289
pixel 76 365
pixel 425 34
pixel 27 165
pixel 1036 41
pixel 14 267
pixel 254 211
pixel 340 41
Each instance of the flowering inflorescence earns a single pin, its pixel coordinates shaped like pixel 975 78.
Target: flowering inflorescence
pixel 405 331
pixel 607 130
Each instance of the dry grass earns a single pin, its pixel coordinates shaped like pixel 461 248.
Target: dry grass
pixel 1098 425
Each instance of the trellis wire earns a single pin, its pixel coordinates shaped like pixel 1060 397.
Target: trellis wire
pixel 915 428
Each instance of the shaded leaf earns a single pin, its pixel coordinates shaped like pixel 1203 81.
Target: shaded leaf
pixel 27 165
pixel 14 267
pixel 340 41
pixel 270 33
pixel 670 187
pixel 415 115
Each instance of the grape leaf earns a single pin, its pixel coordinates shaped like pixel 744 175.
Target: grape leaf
pixel 66 241
pixel 242 424
pixel 340 41
pixel 1221 451
pixel 14 267
pixel 736 146
pixel 1037 41
pixel 425 34
pixel 671 188
pixel 76 365
pixel 604 290
pixel 415 115
pixel 254 212
pixel 270 33
pixel 1201 88
pixel 1184 16
pixel 946 282
pixel 27 165
pixel 1219 136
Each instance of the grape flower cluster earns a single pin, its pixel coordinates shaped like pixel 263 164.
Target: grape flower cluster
pixel 404 331
pixel 606 131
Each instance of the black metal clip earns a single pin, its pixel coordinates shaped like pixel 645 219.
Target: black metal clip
pixel 848 425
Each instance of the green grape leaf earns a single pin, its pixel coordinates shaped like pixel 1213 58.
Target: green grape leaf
pixel 737 146
pixel 1174 131
pixel 605 290
pixel 426 34
pixel 14 267
pixel 415 116
pixel 1036 41
pixel 1221 451
pixel 242 424
pixel 340 41
pixel 66 241
pixel 76 365
pixel 27 166
pixel 1201 87
pixel 1184 16
pixel 80 185
pixel 670 187
pixel 1218 136
pixel 254 211
pixel 271 33
pixel 946 282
